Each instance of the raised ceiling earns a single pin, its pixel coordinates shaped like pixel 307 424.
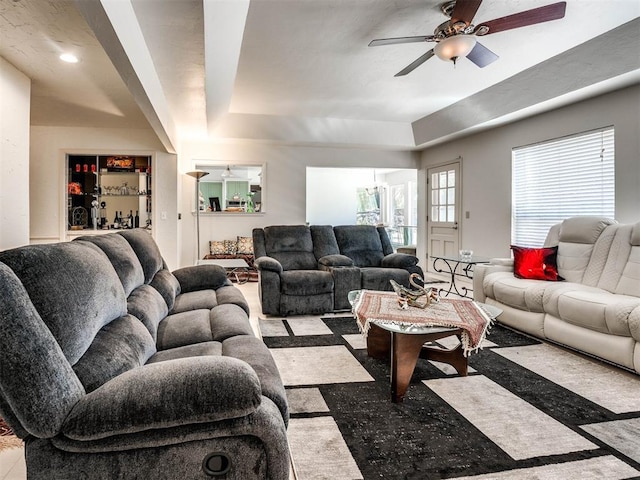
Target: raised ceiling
pixel 300 71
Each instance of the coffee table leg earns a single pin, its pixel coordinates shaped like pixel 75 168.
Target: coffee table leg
pixel 454 357
pixel 378 342
pixel 405 350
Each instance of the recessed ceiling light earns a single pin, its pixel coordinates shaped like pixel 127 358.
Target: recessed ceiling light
pixel 69 58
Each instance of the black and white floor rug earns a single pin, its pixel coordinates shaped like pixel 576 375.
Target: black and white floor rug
pixel 527 410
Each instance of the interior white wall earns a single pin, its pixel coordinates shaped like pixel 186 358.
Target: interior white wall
pixel 15 95
pixel 49 146
pixel 284 189
pixel 486 166
pixel 332 194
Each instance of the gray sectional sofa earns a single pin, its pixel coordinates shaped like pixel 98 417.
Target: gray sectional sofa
pixel 305 270
pixel 595 310
pixel 114 367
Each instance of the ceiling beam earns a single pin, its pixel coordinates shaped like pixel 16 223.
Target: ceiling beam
pixel 116 27
pixel 224 23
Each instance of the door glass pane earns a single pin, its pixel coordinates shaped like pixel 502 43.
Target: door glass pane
pixel 434 214
pixel 434 197
pixel 443 214
pixel 451 196
pixel 434 180
pixel 443 180
pixel 443 197
pixel 451 214
pixel 452 178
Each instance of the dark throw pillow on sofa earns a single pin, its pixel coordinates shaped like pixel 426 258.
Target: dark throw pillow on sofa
pixel 536 263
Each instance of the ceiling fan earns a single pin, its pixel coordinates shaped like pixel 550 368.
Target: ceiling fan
pixel 456 37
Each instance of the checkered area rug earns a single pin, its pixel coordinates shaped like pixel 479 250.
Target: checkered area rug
pixel 526 410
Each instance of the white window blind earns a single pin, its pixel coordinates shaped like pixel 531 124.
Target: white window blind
pixel 561 178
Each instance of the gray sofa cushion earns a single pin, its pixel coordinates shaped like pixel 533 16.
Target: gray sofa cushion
pixel 361 243
pixel 167 285
pixel 377 278
pixel 248 349
pixel 195 301
pixel 291 245
pixel 197 350
pixel 39 387
pixel 227 321
pixel 166 394
pixel 335 260
pixel 147 251
pixel 146 304
pixel 399 260
pixel 184 328
pixel 201 277
pixel 120 346
pixel 324 241
pixel 122 257
pixel 83 294
pixel 306 282
pixel 232 295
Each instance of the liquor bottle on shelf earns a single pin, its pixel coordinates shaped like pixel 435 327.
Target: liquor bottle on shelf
pixel 136 220
pixel 116 221
pixel 130 219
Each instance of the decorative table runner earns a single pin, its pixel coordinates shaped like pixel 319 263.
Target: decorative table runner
pixel 382 308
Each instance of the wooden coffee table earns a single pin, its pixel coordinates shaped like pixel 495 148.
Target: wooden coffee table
pixel 403 345
pixel 403 348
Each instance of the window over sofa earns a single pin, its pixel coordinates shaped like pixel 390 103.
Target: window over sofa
pixel 561 178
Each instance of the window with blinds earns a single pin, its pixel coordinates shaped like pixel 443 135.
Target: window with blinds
pixel 561 178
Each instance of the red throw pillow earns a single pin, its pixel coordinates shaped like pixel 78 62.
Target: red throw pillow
pixel 536 263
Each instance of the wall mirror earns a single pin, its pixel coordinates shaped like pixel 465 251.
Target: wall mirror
pixel 231 188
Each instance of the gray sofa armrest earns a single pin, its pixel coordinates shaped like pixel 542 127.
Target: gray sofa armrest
pixel 164 395
pixel 268 263
pixel 335 260
pixel 200 277
pixel 399 260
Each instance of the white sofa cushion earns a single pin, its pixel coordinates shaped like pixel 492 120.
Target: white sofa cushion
pixel 577 238
pixel 600 311
pixel 629 282
pixel 573 259
pixel 634 325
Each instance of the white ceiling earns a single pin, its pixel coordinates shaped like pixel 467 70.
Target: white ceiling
pixel 300 71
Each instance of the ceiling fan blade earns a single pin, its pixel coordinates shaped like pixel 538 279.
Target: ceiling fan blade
pixel 465 10
pixel 522 19
pixel 481 55
pixel 393 41
pixel 415 64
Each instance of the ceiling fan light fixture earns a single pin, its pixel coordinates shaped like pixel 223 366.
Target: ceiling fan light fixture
pixel 451 48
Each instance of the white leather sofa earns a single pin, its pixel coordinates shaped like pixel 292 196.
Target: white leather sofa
pixel 595 310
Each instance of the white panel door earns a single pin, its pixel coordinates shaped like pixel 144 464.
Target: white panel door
pixel 443 210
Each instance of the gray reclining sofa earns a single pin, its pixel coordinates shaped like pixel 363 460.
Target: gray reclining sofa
pixel 305 270
pixel 111 366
